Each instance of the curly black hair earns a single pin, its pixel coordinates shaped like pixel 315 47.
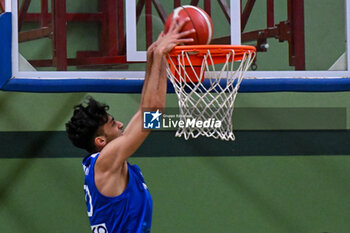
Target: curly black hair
pixel 83 126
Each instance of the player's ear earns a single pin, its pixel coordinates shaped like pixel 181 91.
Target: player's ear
pixel 100 141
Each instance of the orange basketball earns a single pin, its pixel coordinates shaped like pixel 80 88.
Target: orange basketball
pixel 199 20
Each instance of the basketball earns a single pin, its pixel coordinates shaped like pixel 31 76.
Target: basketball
pixel 199 20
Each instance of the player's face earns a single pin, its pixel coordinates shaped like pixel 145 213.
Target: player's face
pixel 112 129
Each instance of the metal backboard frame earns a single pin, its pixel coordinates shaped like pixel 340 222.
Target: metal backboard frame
pixel 131 81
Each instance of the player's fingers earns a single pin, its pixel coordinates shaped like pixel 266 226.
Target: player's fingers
pixel 173 23
pixel 176 25
pixel 184 40
pixel 186 33
pixel 160 35
pixel 180 25
pixel 154 44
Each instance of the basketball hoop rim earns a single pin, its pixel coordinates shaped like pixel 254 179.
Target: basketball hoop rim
pixel 195 54
pixel 201 50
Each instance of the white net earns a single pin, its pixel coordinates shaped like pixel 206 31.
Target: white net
pixel 206 105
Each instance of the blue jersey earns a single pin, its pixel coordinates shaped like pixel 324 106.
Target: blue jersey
pixel 130 212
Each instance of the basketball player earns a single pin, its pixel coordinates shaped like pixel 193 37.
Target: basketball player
pixel 116 195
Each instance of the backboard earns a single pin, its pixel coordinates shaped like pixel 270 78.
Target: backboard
pixel 99 46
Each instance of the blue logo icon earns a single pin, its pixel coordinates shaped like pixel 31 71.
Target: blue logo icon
pixel 151 120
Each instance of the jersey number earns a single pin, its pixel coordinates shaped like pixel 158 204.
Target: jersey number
pixel 101 228
pixel 88 200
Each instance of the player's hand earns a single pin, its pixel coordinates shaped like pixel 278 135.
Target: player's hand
pixel 151 49
pixel 166 42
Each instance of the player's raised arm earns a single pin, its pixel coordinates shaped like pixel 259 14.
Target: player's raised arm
pixel 116 152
